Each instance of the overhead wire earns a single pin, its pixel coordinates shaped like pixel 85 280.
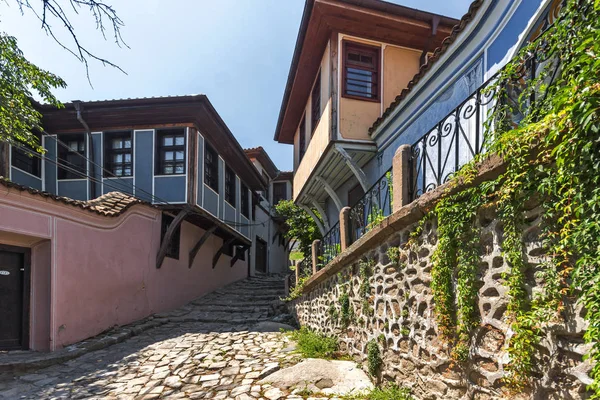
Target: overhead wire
pixel 70 167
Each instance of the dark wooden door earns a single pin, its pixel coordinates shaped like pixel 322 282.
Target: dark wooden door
pixel 261 255
pixel 13 298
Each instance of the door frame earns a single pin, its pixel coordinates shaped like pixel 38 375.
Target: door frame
pixel 26 251
pixel 266 254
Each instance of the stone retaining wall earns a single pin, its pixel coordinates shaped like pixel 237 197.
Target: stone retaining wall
pixel 400 307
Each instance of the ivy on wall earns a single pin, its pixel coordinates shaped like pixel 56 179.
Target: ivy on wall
pixel 553 154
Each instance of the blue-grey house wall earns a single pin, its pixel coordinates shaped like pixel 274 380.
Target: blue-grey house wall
pixel 25 179
pixel 221 188
pixel 513 19
pixel 144 183
pixel 143 163
pixel 200 171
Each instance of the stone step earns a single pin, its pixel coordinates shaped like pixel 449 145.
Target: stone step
pixel 246 292
pixel 232 308
pixel 232 303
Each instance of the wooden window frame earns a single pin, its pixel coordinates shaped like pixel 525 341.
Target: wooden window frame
pixel 109 151
pixel 30 164
pixel 376 69
pixel 211 168
pixel 64 152
pixel 230 187
pixel 161 150
pixel 266 191
pixel 302 139
pixel 244 202
pixel 315 106
pixel 173 248
pixel 284 197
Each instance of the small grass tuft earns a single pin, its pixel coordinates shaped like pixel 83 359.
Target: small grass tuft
pixel 388 392
pixel 314 345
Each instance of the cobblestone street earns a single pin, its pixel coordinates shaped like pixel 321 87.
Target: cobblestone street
pixel 189 360
pixel 201 358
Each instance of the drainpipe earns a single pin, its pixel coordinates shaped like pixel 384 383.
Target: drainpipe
pixel 79 107
pixel 269 240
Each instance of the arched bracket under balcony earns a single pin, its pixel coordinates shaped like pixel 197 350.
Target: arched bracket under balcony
pixel 314 217
pixel 330 192
pixel 354 167
pixel 321 211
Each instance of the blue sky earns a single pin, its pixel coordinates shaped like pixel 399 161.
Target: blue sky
pixel 237 52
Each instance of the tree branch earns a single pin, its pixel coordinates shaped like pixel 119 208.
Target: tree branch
pixel 103 14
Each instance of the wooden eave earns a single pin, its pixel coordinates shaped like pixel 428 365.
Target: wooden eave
pixel 192 111
pixel 369 19
pixel 263 158
pixel 203 219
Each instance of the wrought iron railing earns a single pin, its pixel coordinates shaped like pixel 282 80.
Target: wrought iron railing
pixel 372 208
pixel 305 266
pixel 462 134
pixel 331 246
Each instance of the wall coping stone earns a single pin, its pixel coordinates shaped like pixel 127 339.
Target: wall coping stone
pixel 488 169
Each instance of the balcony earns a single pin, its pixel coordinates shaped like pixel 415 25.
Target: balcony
pixel 327 164
pixel 433 159
pixel 317 146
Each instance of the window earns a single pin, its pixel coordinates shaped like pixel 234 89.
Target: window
pixel 118 154
pixel 71 154
pixel 230 187
pixel 26 159
pixel 244 202
pixel 316 103
pixel 361 71
pixel 173 248
pixel 266 192
pixel 279 192
pixel 302 133
pixel 211 168
pixel 170 151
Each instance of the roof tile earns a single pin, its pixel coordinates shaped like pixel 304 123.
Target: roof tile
pixel 437 53
pixel 109 205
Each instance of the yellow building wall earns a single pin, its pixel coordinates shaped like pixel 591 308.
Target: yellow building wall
pixel 398 66
pixel 314 151
pixel 356 117
pixel 325 97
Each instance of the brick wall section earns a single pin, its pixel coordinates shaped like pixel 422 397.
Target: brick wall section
pixel 403 312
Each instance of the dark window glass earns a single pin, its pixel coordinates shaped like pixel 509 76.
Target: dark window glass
pixel 26 159
pixel 170 151
pixel 302 144
pixel 118 154
pixel 361 71
pixel 279 192
pixel 266 192
pixel 173 248
pixel 244 202
pixel 211 168
pixel 230 186
pixel 71 154
pixel 316 103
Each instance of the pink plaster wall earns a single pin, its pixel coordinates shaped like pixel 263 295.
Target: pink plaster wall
pixel 104 269
pixel 39 317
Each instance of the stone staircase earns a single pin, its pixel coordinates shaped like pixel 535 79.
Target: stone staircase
pixel 240 306
pixel 248 301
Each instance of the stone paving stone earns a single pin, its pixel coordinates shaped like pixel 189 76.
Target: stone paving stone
pixel 192 360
